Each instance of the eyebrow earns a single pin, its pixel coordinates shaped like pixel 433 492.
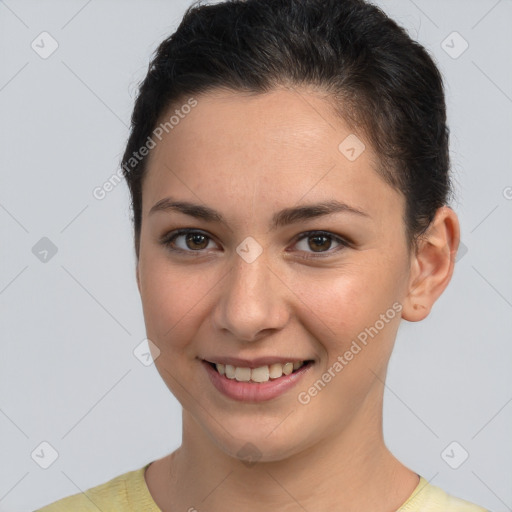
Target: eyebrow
pixel 282 218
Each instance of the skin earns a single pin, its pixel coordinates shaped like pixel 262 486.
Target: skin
pixel 249 156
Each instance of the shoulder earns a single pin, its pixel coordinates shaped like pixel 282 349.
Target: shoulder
pixel 430 498
pixel 124 492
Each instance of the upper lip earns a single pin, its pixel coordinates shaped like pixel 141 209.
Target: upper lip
pixel 252 363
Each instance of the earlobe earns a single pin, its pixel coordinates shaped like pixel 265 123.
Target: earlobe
pixel 432 265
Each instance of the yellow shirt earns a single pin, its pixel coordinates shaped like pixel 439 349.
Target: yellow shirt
pixel 129 492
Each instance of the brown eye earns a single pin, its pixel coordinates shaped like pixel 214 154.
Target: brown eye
pixel 196 241
pixel 320 243
pixel 186 240
pixel 315 243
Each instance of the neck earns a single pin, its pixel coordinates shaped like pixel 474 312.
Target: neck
pixel 350 469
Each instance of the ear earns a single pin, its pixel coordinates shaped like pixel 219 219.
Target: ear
pixel 432 265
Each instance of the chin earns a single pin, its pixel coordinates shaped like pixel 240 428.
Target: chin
pixel 250 445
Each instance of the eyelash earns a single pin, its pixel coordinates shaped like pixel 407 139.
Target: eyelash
pixel 169 238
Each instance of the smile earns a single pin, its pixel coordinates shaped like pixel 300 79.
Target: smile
pixel 260 374
pixel 255 384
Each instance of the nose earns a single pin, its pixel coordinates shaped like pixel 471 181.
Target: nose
pixel 253 301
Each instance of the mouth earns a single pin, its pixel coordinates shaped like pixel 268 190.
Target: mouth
pixel 260 374
pixel 256 384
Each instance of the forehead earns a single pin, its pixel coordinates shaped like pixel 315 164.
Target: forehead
pixel 283 121
pixel 282 146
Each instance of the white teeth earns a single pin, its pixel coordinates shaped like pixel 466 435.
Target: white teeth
pixel 276 370
pixel 230 371
pixel 260 374
pixel 288 368
pixel 242 374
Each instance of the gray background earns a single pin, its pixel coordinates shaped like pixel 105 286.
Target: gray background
pixel 70 324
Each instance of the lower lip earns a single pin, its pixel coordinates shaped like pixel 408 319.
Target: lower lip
pixel 254 391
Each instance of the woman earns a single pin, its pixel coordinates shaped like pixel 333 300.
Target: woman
pixel 288 167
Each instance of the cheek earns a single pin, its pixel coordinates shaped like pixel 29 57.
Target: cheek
pixel 344 305
pixel 171 297
pixel 346 298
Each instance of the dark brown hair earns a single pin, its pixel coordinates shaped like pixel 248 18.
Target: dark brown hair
pixel 377 78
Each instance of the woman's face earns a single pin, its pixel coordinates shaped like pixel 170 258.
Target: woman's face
pixel 280 293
